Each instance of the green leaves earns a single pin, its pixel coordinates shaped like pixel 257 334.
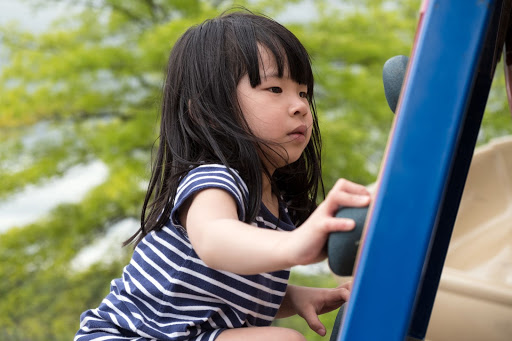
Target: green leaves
pixel 89 89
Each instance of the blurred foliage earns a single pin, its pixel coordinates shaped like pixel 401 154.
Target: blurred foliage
pixel 89 88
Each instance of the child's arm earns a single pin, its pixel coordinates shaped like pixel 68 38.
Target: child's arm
pixel 225 243
pixel 311 302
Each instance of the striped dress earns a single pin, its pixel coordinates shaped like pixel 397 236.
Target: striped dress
pixel 166 291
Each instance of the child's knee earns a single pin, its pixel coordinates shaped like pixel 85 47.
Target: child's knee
pixel 292 335
pixel 261 333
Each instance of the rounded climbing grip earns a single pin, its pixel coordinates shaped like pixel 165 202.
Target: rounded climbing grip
pixel 342 246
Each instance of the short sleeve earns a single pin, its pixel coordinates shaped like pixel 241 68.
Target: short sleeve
pixel 210 176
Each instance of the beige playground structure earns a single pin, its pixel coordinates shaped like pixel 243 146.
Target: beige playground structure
pixel 474 300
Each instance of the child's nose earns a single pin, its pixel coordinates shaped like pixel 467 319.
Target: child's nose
pixel 299 106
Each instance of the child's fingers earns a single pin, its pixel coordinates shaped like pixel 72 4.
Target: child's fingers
pixel 335 299
pixel 346 285
pixel 335 199
pixel 337 296
pixel 332 224
pixel 343 294
pixel 352 200
pixel 350 187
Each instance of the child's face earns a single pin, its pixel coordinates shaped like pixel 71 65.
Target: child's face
pixel 277 110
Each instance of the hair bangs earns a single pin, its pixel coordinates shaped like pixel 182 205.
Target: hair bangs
pixel 289 53
pixel 282 45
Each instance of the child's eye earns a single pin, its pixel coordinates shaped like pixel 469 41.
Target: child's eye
pixel 275 89
pixel 303 94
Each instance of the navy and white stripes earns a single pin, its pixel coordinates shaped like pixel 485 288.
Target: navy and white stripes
pixel 168 293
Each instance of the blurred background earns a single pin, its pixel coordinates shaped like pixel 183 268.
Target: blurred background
pixel 80 88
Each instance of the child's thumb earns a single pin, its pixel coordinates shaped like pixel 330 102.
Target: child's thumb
pixel 314 322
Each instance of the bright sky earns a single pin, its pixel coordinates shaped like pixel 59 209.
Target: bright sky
pixel 33 202
pixel 34 20
pixel 38 20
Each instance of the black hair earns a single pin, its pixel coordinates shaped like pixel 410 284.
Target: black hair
pixel 201 119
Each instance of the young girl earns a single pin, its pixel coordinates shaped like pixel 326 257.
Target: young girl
pixel 237 169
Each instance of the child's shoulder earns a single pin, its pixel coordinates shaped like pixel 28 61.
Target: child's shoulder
pixel 207 176
pixel 212 167
pixel 213 175
pixel 213 172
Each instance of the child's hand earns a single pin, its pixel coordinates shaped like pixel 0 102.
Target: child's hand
pixel 311 302
pixel 307 243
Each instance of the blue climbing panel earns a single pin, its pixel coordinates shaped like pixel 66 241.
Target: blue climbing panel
pixel 422 177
